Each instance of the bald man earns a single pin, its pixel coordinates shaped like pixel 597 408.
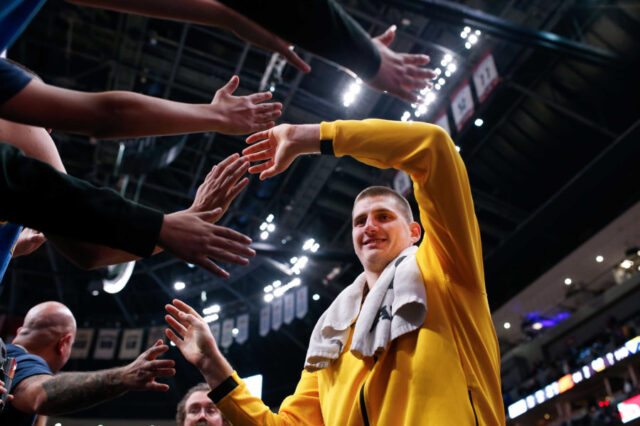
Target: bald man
pixel 43 346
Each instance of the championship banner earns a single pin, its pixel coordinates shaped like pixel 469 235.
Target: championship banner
pixel 276 313
pixel 131 344
pixel 462 105
pixel 215 330
pixel 82 344
pixel 302 302
pixel 485 76
pixel 155 333
pixel 227 333
pixel 106 343
pixel 265 321
pixel 242 323
pixel 443 121
pixel 289 305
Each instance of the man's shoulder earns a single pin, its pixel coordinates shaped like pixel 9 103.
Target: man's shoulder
pixel 27 361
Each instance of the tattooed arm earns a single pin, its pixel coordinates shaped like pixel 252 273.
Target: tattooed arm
pixel 74 391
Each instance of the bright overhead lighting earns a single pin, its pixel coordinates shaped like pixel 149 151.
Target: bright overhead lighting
pixel 626 264
pixel 473 39
pixel 537 326
pixel 568 281
pixel 123 272
pixel 271 227
pixel 599 259
pixel 179 285
pixel 203 296
pixel 213 309
pixel 211 318
pixel 95 293
pixel 277 283
pixel 447 73
pixel 293 259
pixel 467 29
pixel 308 244
pixel 263 226
pixel 268 289
pixel 315 247
pixel 448 57
pixel 438 71
pixel 478 32
pixel 235 331
pixel 437 86
pixel 268 297
pixel 479 122
pixel 507 325
pixel 464 34
pixel 467 45
pixel 405 116
pixel 457 148
pixel 441 81
pixel 264 235
pixel 452 67
pixel 316 296
pixel 191 265
pixel 270 218
pixel 352 92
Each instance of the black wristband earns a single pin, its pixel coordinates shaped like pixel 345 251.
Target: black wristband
pixel 223 389
pixel 326 147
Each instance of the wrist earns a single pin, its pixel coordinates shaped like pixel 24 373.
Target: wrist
pixel 216 370
pixel 306 138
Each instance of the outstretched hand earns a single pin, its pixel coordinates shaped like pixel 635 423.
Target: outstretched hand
pixel 400 74
pixel 276 146
pixel 239 115
pixel 141 374
pixel 192 237
pixel 222 185
pixel 29 241
pixel 193 338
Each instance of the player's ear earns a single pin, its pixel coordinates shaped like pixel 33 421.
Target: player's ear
pixel 416 231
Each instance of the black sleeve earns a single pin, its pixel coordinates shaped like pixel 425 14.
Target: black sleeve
pixel 320 26
pixel 34 194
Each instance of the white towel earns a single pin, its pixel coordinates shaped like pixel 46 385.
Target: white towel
pixel 396 305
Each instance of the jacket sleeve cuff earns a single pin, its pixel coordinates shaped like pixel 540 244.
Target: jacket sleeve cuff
pixel 224 388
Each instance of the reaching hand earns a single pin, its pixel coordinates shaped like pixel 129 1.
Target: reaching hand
pixel 3 390
pixel 192 237
pixel 239 115
pixel 277 146
pixel 400 73
pixel 29 241
pixel 221 185
pixel 142 373
pixel 193 336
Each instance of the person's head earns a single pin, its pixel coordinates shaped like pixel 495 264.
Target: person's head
pixel 383 226
pixel 196 409
pixel 48 331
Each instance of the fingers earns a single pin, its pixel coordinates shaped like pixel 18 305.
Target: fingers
pixel 164 372
pixel 261 146
pixel 261 97
pixel 295 60
pixel 259 156
pixel 265 118
pixel 154 351
pixel 179 304
pixel 257 137
pixel 178 327
pixel 259 168
pixel 415 59
pixel 224 256
pixel 237 188
pixel 211 216
pixel 160 364
pixel 228 233
pixel 175 339
pixel 387 37
pixel 231 85
pixel 208 265
pixel 257 127
pixel 156 387
pixel 421 73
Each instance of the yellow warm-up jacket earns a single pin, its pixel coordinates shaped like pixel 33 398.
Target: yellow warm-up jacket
pixel 448 371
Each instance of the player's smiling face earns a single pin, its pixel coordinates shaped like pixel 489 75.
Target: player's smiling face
pixel 380 231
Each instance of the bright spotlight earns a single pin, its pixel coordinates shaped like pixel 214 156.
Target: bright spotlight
pixel 179 285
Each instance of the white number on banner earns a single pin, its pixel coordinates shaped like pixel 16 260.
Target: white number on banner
pixel 443 121
pixel 302 301
pixel 227 333
pixel 242 322
pixel 402 183
pixel 276 313
pixel 131 343
pixel 462 105
pixel 485 77
pixel 106 343
pixel 82 344
pixel 155 333
pixel 265 320
pixel 215 330
pixel 288 307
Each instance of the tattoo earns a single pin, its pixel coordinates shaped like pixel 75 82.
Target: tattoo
pixel 67 392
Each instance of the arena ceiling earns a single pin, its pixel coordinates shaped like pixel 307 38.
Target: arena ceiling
pixel 555 160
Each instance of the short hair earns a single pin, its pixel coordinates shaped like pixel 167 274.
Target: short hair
pixel 374 191
pixel 181 413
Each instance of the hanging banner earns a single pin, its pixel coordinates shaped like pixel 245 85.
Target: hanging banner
pixel 227 333
pixel 402 183
pixel 155 333
pixel 276 313
pixel 215 330
pixel 289 306
pixel 82 344
pixel 131 344
pixel 242 324
pixel 462 105
pixel 106 343
pixel 485 76
pixel 443 121
pixel 302 301
pixel 265 320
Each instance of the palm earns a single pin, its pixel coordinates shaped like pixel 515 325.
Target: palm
pixel 195 346
pixel 275 146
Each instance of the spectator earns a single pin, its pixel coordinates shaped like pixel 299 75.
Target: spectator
pixel 196 409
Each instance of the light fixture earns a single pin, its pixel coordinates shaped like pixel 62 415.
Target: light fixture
pixel 405 116
pixel 213 309
pixel 270 218
pixel 447 73
pixel 507 325
pixel 122 272
pixel 95 292
pixel 264 235
pixel 437 86
pixel 271 227
pixel 211 318
pixel 458 148
pixel 464 34
pixel 293 259
pixel 537 326
pixel 599 259
pixel 452 67
pixel 478 32
pixel 179 285
pixel 191 265
pixel 277 283
pixel 568 281
pixel 203 296
pixel 263 226
pixel 268 289
pixel 626 264
pixel 316 296
pixel 473 39
pixel 235 331
pixel 268 297
pixel 308 244
pixel 479 122
pixel 352 92
pixel 437 71
pixel 467 45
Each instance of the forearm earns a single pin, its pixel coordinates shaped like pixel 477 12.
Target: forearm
pixel 69 392
pixel 36 195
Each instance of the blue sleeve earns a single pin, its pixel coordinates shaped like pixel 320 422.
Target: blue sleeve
pixel 12 80
pixel 28 365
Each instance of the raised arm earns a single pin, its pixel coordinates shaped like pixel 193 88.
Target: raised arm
pixel 192 336
pixel 128 114
pixel 75 391
pixel 424 151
